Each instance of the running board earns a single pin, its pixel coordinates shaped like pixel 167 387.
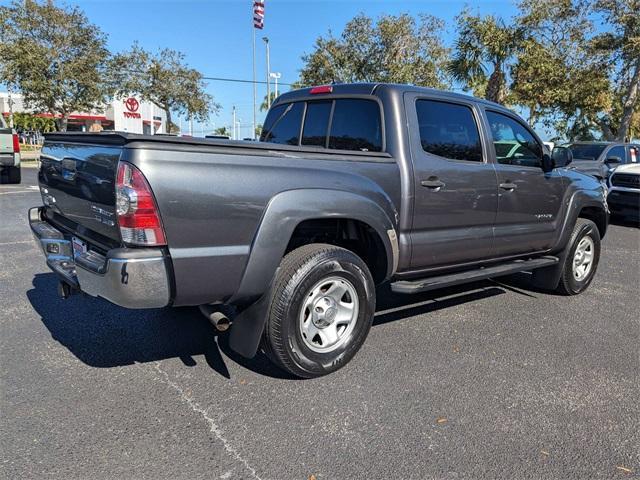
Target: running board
pixel 482 273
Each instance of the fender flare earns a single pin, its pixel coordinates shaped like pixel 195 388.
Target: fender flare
pixel 575 204
pixel 283 214
pixel 287 210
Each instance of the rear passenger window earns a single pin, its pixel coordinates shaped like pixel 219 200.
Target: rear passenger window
pixel 316 122
pixel 448 130
pixel 513 142
pixel 356 126
pixel 282 125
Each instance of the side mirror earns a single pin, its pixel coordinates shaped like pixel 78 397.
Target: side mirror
pixel 548 163
pixel 613 161
pixel 562 156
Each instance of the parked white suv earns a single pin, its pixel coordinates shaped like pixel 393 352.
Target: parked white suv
pixel 624 191
pixel 9 153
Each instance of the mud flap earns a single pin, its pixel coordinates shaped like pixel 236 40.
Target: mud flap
pixel 548 278
pixel 247 327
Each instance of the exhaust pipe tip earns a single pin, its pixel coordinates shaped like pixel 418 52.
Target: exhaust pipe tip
pixel 64 290
pixel 218 319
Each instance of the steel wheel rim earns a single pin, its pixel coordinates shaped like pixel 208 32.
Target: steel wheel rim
pixel 329 314
pixel 583 258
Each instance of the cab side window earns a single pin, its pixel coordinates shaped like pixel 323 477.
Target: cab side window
pixel 617 152
pixel 448 130
pixel 513 142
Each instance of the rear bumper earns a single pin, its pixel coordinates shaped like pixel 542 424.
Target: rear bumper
pixel 9 159
pixel 131 278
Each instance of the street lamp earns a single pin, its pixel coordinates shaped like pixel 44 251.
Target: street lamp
pixel 266 42
pixel 276 76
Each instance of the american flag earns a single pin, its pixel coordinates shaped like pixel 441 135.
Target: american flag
pixel 258 14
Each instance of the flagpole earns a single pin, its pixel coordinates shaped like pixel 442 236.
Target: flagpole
pixel 253 29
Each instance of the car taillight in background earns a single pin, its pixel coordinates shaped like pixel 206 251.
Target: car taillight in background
pixel 136 208
pixel 16 143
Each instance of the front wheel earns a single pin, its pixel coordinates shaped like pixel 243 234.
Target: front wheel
pixel 321 311
pixel 582 259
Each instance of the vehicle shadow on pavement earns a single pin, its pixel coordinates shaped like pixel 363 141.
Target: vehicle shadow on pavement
pixel 104 335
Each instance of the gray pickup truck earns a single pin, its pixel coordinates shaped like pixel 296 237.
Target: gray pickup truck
pixel 350 186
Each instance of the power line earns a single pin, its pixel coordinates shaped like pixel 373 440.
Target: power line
pixel 239 80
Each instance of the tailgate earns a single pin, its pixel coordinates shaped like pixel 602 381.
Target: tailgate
pixel 6 141
pixel 78 188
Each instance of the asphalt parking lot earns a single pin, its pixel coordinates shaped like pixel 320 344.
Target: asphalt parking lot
pixel 489 380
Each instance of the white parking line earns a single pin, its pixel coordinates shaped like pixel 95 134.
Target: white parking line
pixel 17 191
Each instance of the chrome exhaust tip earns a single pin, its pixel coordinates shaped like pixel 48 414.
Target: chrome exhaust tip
pixel 218 319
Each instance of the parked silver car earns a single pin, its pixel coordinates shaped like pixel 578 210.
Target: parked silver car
pixel 601 158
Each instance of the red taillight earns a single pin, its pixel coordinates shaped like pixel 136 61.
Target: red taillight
pixel 136 208
pixel 16 143
pixel 321 89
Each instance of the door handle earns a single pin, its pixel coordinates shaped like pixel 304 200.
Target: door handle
pixel 433 183
pixel 508 186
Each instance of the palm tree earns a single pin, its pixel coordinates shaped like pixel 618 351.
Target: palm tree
pixel 482 53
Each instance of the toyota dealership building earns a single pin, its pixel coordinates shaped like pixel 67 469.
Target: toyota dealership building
pixel 126 115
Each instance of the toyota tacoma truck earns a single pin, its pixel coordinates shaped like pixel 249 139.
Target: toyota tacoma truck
pixel 350 186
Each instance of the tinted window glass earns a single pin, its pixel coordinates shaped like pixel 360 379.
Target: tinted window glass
pixel 448 130
pixel 356 126
pixel 514 144
pixel 282 124
pixel 316 122
pixel 617 152
pixel 634 154
pixel 587 151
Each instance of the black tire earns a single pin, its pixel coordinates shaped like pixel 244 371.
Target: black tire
pixel 299 271
pixel 14 175
pixel 569 285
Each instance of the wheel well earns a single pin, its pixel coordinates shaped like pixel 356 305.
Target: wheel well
pixel 597 216
pixel 351 234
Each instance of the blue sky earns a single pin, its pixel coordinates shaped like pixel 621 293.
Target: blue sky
pixel 216 35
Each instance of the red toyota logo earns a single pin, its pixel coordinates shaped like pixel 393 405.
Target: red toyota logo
pixel 131 104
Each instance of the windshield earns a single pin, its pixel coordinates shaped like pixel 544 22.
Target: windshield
pixel 587 151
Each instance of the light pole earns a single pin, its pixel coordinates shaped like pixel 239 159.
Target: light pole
pixel 266 42
pixel 276 76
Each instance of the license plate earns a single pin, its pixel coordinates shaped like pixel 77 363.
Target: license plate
pixel 79 247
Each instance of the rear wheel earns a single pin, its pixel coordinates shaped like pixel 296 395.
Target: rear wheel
pixel 321 310
pixel 582 259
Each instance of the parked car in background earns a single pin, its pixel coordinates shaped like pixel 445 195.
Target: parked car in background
pixel 9 153
pixel 600 158
pixel 624 191
pixel 349 186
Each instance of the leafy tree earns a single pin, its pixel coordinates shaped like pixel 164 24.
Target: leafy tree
pixel 620 44
pixel 222 131
pixel 164 79
pixel 29 121
pixel 396 49
pixel 263 106
pixel 482 54
pixel 54 56
pixel 579 81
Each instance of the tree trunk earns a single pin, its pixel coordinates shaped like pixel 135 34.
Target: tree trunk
pixel 629 102
pixel 167 128
pixel 495 86
pixel 62 122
